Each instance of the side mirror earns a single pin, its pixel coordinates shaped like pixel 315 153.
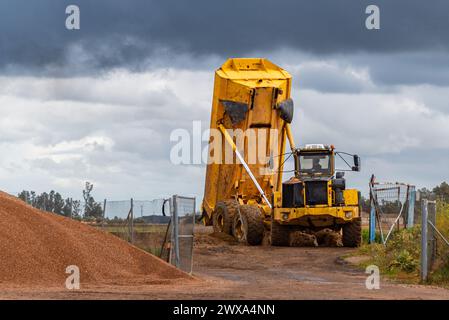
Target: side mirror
pixel 339 175
pixel 357 163
pixel 286 110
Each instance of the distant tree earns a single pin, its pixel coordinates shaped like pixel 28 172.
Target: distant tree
pixel 67 209
pixel 92 209
pixel 442 191
pixel 76 209
pixel 33 198
pixel 42 201
pixel 58 204
pixel 25 196
pixel 52 202
pixel 426 193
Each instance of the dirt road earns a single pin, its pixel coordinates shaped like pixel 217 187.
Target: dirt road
pixel 226 270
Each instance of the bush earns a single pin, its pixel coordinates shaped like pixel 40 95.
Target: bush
pixel 405 262
pixel 401 254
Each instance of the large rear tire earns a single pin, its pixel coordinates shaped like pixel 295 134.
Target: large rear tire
pixel 352 233
pixel 248 225
pixel 223 216
pixel 279 234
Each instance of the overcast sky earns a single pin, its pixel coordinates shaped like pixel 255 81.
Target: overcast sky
pixel 99 103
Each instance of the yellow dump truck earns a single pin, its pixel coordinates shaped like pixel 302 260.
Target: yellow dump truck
pixel 244 193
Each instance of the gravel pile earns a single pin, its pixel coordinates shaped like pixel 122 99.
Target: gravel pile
pixel 36 247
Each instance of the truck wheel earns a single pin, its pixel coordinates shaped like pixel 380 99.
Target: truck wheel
pixel 352 233
pixel 279 234
pixel 248 225
pixel 223 216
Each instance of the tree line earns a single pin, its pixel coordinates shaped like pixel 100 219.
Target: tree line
pixel 54 202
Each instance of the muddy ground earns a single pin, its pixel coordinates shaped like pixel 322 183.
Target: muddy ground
pixel 227 270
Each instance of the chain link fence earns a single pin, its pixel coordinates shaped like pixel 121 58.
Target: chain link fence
pixel 163 227
pixel 140 222
pixel 182 232
pixel 392 207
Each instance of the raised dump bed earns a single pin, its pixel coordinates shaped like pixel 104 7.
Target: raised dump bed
pixel 247 93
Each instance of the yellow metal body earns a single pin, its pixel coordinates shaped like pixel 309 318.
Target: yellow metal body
pixel 260 85
pixel 319 215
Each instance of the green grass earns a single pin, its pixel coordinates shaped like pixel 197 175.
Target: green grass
pixel 365 236
pixel 400 258
pixel 148 237
pixel 147 228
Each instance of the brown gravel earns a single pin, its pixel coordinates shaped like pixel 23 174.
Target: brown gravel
pixel 235 271
pixel 302 239
pixel 36 247
pixel 329 238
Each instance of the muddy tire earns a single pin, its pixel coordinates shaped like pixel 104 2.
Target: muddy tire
pixel 248 225
pixel 223 216
pixel 279 234
pixel 352 233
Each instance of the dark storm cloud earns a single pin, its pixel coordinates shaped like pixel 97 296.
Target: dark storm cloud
pixel 130 33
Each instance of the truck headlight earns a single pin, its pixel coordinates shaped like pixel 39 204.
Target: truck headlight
pixel 348 214
pixel 285 216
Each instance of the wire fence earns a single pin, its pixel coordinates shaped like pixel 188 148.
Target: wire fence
pixel 424 247
pixel 392 208
pixel 141 208
pixel 182 232
pixel 163 227
pixel 434 236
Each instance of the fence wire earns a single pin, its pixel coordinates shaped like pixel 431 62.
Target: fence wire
pixel 163 227
pixel 390 201
pixel 142 208
pixel 182 232
pixel 144 223
pixel 438 233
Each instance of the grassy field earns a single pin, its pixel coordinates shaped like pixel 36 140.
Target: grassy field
pixel 149 237
pixel 138 228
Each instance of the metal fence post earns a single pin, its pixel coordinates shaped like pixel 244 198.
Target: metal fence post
pixel 432 240
pixel 372 223
pixel 104 209
pixel 411 207
pixel 193 233
pixel 424 260
pixel 132 221
pixel 176 229
pixel 103 221
pixel 372 214
pixel 172 233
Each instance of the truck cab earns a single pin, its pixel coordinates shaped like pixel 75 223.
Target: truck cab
pixel 316 197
